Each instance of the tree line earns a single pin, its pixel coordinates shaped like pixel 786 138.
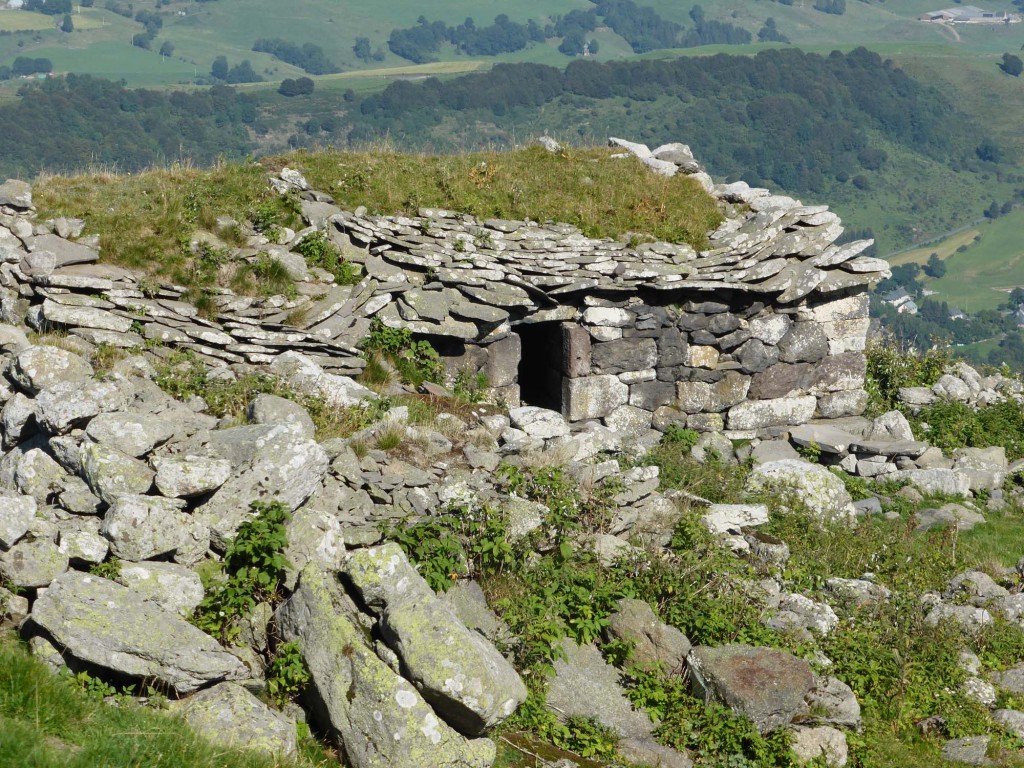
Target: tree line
pixel 641 26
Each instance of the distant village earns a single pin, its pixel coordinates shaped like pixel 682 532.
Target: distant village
pixel 970 14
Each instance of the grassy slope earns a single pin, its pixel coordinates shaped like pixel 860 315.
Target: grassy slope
pixel 46 723
pixel 142 218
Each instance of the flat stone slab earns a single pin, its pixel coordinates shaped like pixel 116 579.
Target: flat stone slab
pixel 911 448
pixel 766 685
pixel 109 625
pixel 828 439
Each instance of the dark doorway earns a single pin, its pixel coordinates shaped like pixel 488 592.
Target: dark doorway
pixel 540 367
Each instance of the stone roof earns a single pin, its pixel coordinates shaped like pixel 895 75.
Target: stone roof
pixel 775 246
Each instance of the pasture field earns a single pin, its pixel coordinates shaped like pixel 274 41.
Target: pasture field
pixel 982 275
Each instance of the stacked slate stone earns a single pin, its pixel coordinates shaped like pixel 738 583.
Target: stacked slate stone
pixel 51 280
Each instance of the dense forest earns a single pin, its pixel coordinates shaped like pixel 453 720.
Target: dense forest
pixel 791 119
pixel 640 26
pixel 79 121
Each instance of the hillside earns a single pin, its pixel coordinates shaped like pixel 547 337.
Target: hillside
pixel 282 450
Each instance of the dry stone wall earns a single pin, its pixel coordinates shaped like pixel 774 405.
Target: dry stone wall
pixel 764 328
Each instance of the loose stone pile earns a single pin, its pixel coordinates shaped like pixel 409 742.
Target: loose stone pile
pixel 96 466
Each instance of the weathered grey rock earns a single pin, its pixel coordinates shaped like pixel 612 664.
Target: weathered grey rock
pixel 112 474
pixel 653 641
pixel 306 376
pixel 380 720
pixel 539 422
pixel 827 439
pixel 38 475
pixel 733 518
pixel 712 446
pixel 977 586
pixel 837 405
pixel 144 527
pixel 937 481
pixel 174 587
pixel 84 317
pixel 1011 720
pixel 804 342
pixel 82 544
pixel 809 485
pixel 16 194
pixel 766 685
pixel 964 616
pixel 467 599
pixel 774 450
pixel 17 419
pixel 613 357
pixel 188 476
pixel 757 414
pixel 857 591
pixel 16 515
pixel 106 624
pixel 286 469
pixel 820 743
pixel 228 715
pixel 133 434
pixel 984 469
pixel 892 425
pixel 952 388
pixel 796 612
pixel 832 702
pixel 585 685
pixel 917 396
pixel 271 409
pixel 314 536
pixel 969 751
pixel 32 563
pixel 950 514
pixel 62 406
pixel 40 367
pixel 470 684
pixel 593 397
pixel 1011 680
pixel 629 421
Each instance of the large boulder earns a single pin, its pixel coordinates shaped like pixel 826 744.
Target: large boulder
pixel 64 405
pixel 227 714
pixel 106 624
pixel 187 476
pixel 585 685
pixel 112 474
pixel 470 684
pixel 652 640
pixel 174 587
pixel 133 434
pixel 809 485
pixel 32 563
pixel 767 686
pixel 379 719
pixel 16 515
pixel 287 469
pixel 40 367
pixel 144 527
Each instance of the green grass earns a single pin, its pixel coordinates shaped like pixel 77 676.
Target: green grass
pixel 982 276
pixel 143 219
pixel 46 723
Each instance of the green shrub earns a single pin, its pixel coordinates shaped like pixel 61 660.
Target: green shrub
pixel 890 368
pixel 254 564
pixel 288 675
pixel 318 251
pixel 950 425
pixel 416 361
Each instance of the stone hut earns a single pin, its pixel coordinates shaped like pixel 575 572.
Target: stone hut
pixel 765 328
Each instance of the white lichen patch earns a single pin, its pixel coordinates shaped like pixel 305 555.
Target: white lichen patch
pixel 431 730
pixel 405 699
